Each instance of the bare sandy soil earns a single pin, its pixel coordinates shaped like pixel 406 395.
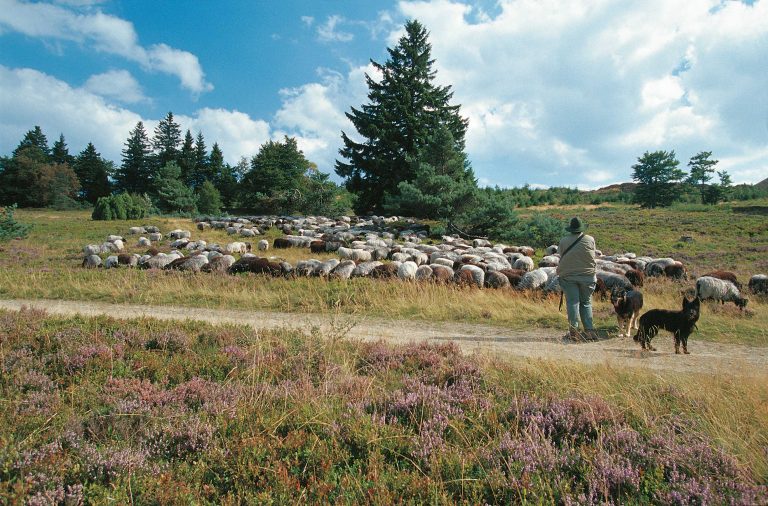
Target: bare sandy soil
pixel 547 344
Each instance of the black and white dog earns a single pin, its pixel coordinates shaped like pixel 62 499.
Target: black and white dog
pixel 680 323
pixel 627 304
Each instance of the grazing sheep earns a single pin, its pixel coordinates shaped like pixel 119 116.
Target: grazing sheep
pixel 179 234
pixel 92 262
pixel 676 271
pixel 463 278
pixel 137 230
pixel 262 245
pixel 92 249
pixel 325 268
pixel 717 289
pixel 636 277
pixel 527 251
pixel 385 271
pixel 758 284
pixel 423 273
pixel 725 276
pixel 143 242
pixel 407 271
pixel 478 274
pixel 192 263
pixel 442 274
pixel 551 250
pixel 343 270
pixel 495 279
pixel 513 275
pixel 113 238
pixel 553 285
pixel 151 229
pixel 110 262
pixel 364 269
pixel 158 261
pixel 534 279
pixel 307 267
pixel 611 280
pixel 317 247
pixel 129 260
pixel 281 243
pixel 155 236
pixel 447 262
pixel 238 247
pixel 525 263
pixel 549 261
pixel 248 232
pixel 656 267
pixel 118 245
pixel 218 264
pixel 256 265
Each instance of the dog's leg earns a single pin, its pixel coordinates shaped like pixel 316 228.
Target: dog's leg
pixel 677 343
pixel 685 344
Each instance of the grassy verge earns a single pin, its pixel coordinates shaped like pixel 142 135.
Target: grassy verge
pixel 146 411
pixel 46 265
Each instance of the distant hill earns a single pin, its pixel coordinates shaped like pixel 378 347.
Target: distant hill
pixel 763 184
pixel 620 187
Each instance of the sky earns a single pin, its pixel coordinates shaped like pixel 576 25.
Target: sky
pixel 557 93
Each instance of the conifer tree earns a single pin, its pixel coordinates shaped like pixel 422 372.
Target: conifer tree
pixel 93 172
pixel 34 138
pixel 60 152
pixel 403 109
pixel 187 159
pixel 224 178
pixel 202 167
pixel 136 172
pixel 166 141
pixel 658 179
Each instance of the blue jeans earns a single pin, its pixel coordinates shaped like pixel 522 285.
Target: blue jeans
pixel 578 299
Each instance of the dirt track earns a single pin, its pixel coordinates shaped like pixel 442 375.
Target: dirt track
pixel 705 357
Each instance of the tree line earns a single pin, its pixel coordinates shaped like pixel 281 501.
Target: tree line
pixel 405 157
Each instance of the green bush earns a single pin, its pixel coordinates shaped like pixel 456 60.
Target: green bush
pixel 124 206
pixel 9 227
pixel 209 199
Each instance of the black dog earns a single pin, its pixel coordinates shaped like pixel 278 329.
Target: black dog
pixel 627 304
pixel 680 323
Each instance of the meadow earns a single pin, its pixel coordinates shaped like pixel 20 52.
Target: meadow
pixel 99 410
pixel 46 265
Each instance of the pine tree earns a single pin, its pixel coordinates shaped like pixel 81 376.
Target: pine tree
pixel 202 167
pixel 93 172
pixel 403 109
pixel 136 172
pixel 34 138
pixel 658 179
pixel 166 141
pixel 277 168
pixel 701 170
pixel 187 160
pixel 224 178
pixel 60 152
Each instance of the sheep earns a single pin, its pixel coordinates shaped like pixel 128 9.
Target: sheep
pixel 611 280
pixel 531 280
pixel 92 261
pixel 281 243
pixel 143 242
pixel 91 249
pixel 257 265
pixel 158 261
pixel 636 277
pixel 238 247
pixel 549 261
pixel 724 275
pixel 110 262
pixel 317 247
pixel 179 234
pixel 407 271
pixel 326 267
pixel 513 275
pixel 218 264
pixel 446 262
pixel 717 289
pixel 496 279
pixel 423 273
pixel 192 263
pixel 129 260
pixel 553 285
pixel 758 284
pixel 203 226
pixel 179 243
pixel 113 238
pixel 151 229
pixel 155 236
pixel 307 267
pixel 262 245
pixel 525 263
pixel 385 271
pixel 248 232
pixel 676 271
pixel 118 245
pixel 364 269
pixel 478 274
pixel 441 274
pixel 343 270
pixel 551 250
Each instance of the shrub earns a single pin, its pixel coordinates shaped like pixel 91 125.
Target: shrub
pixel 124 206
pixel 209 199
pixel 9 227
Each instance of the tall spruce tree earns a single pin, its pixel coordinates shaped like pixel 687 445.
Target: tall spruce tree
pixel 187 159
pixel 403 109
pixel 34 138
pixel 22 171
pixel 202 167
pixel 60 152
pixel 93 172
pixel 136 173
pixel 166 140
pixel 224 178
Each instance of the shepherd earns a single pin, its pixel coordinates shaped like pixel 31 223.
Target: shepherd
pixel 577 277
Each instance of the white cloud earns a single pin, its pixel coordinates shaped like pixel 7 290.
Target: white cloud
pixel 328 31
pixel 308 20
pixel 32 98
pixel 118 85
pixel 103 32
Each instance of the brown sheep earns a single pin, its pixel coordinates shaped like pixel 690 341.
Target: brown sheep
pixel 725 276
pixel 464 278
pixel 676 271
pixel 384 271
pixel 281 243
pixel 636 277
pixel 152 252
pixel 256 265
pixel 441 274
pixel 513 275
pixel 317 247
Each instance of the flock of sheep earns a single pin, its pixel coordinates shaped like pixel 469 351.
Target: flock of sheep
pixel 366 248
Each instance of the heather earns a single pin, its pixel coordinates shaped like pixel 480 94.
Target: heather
pixel 100 410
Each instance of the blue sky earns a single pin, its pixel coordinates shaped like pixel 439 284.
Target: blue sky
pixel 558 93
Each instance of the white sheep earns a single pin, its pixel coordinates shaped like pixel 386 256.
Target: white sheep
pixel 237 247
pixel 91 249
pixel 263 245
pixel 407 271
pixel 155 236
pixel 111 262
pixel 478 275
pixel 534 279
pixel 144 242
pixel 708 288
pixel 92 261
pixel 343 270
pixel 524 263
pixel 137 230
pixel 364 268
pixel 758 284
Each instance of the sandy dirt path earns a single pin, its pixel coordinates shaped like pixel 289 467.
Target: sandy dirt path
pixel 705 357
